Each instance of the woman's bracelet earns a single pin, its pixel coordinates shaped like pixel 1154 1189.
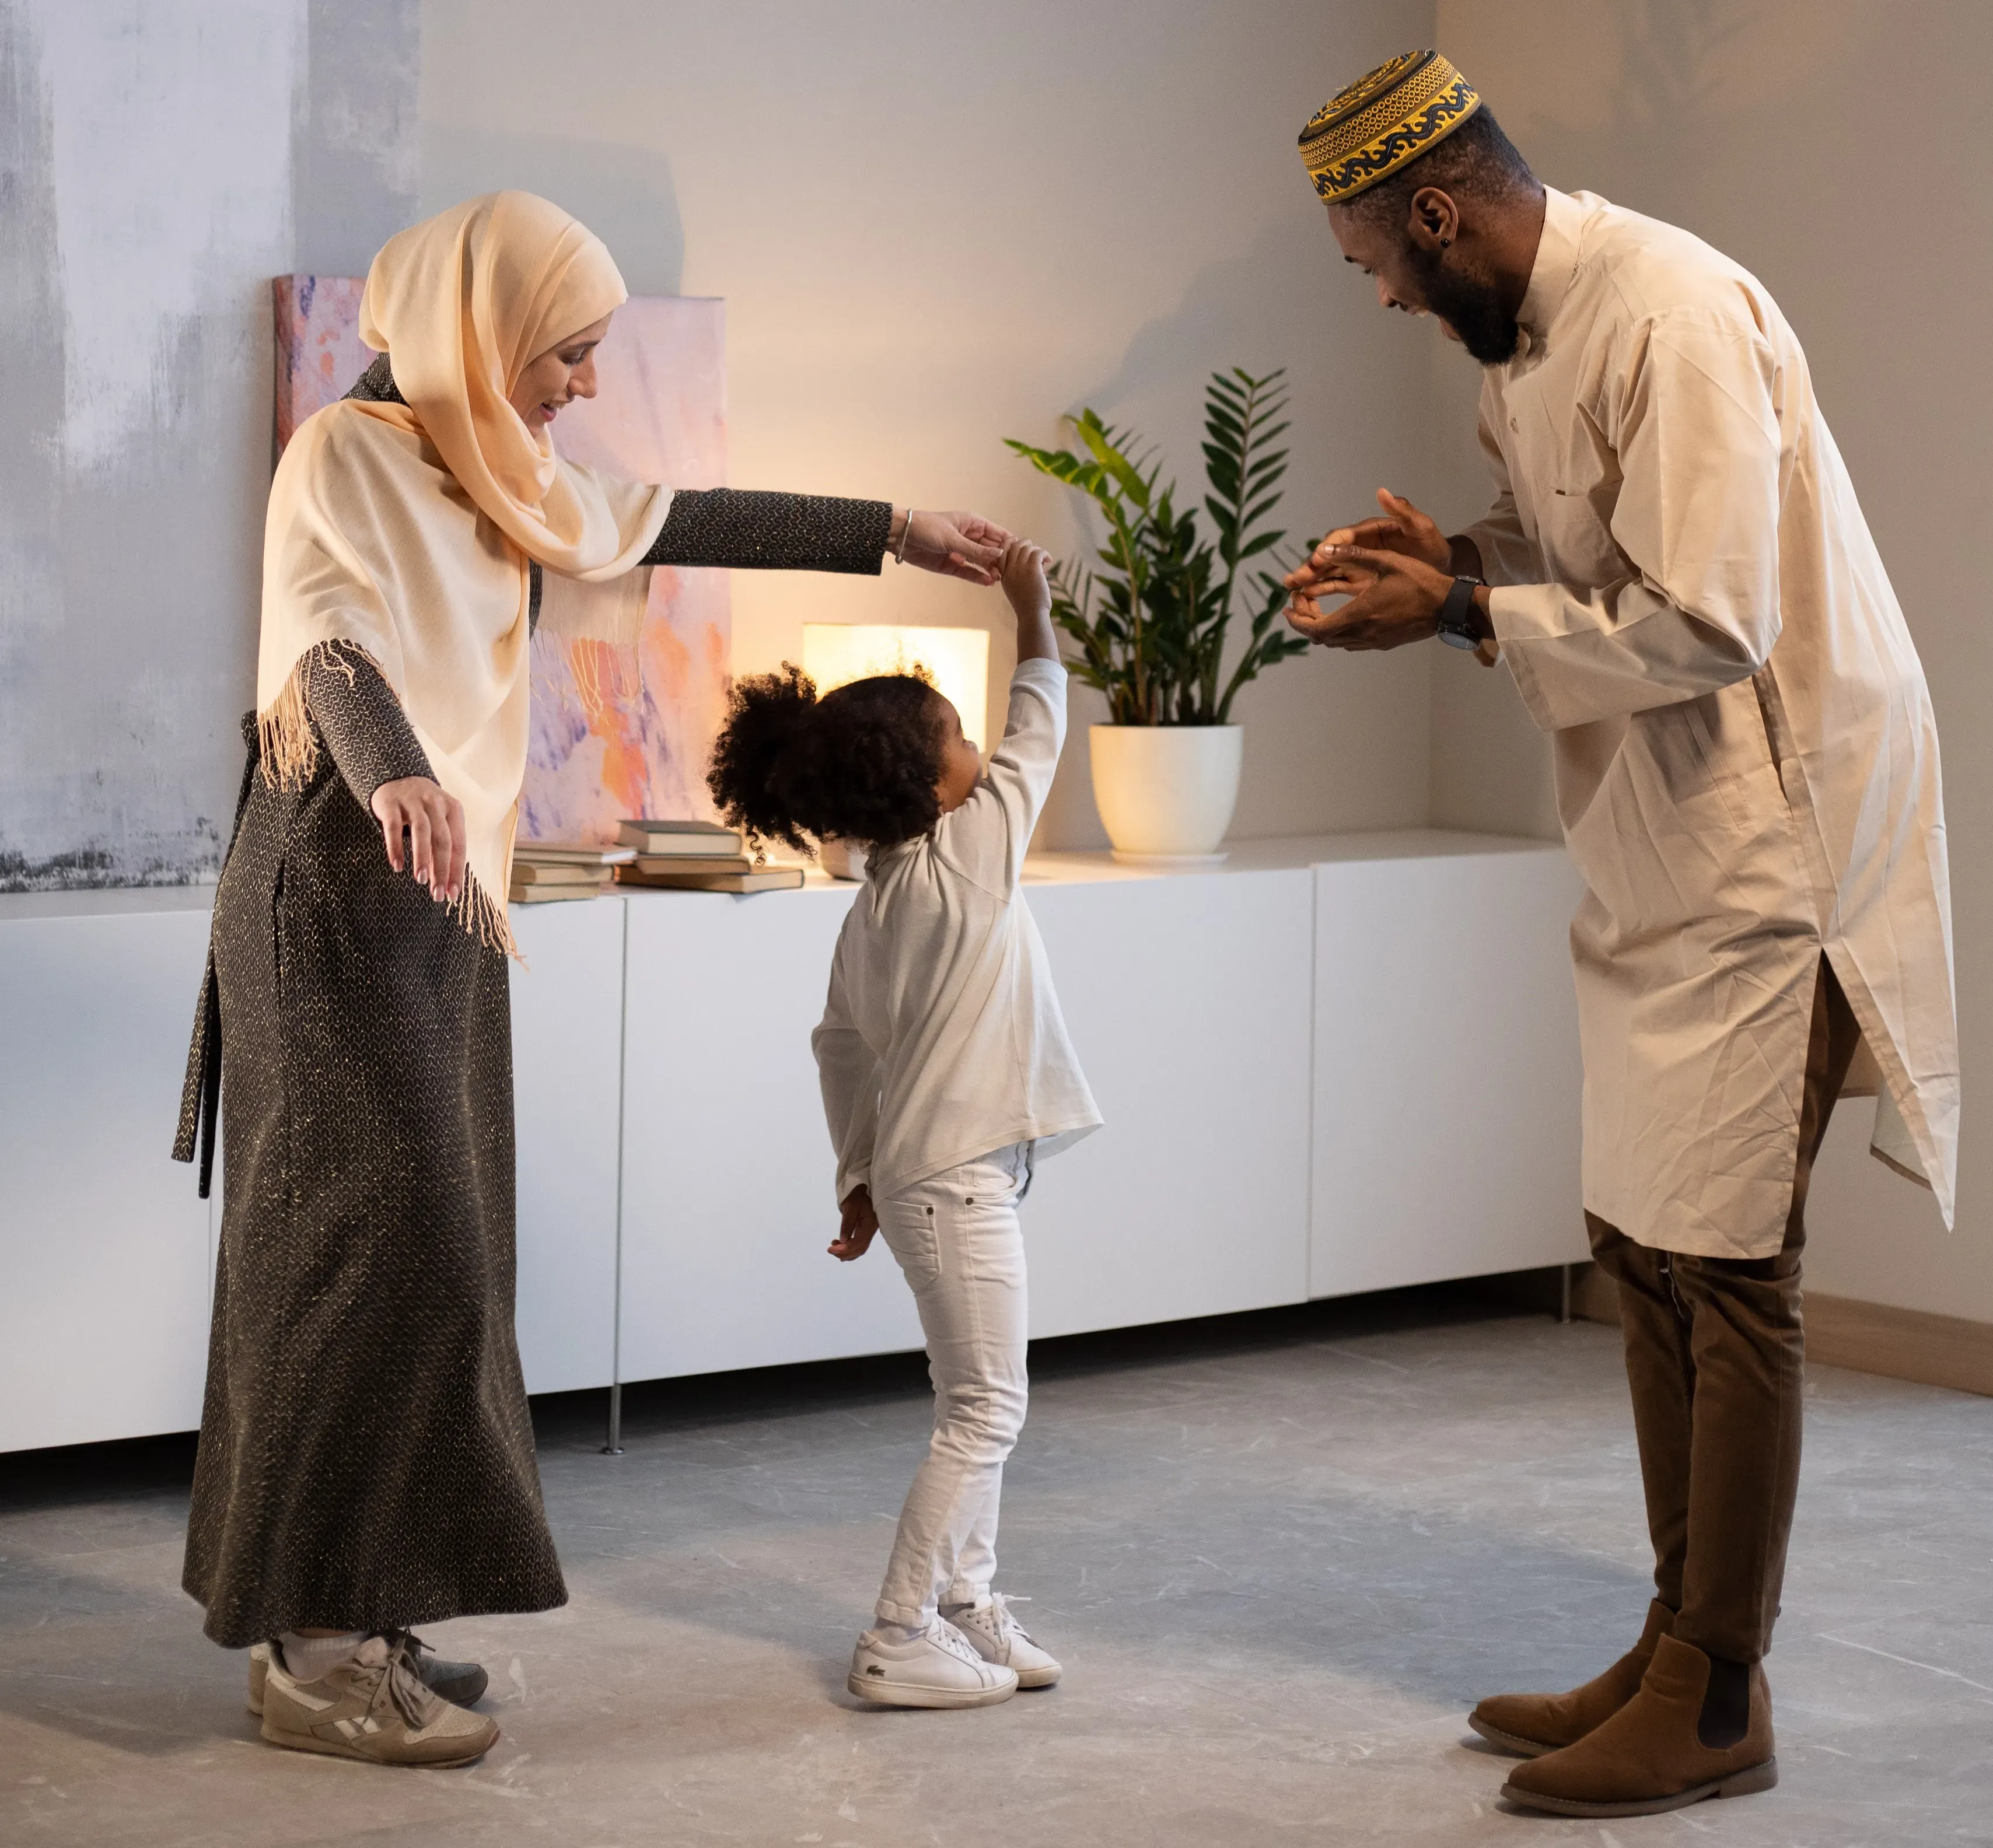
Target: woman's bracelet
pixel 900 556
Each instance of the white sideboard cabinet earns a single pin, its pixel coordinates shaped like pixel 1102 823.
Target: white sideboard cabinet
pixel 728 1191
pixel 1327 1065
pixel 106 1249
pixel 567 1078
pixel 1447 1084
pixel 1188 1000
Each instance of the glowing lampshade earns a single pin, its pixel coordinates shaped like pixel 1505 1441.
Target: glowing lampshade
pixel 957 660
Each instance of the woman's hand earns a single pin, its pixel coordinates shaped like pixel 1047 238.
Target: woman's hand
pixel 958 545
pixel 854 1235
pixel 438 842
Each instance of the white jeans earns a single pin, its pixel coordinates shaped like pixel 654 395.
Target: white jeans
pixel 956 1236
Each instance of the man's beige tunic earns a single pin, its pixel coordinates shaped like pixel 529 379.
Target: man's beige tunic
pixel 1747 764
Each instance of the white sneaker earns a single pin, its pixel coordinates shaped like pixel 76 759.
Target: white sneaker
pixel 940 1668
pixel 997 1637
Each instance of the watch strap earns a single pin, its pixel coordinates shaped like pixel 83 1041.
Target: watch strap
pixel 1455 621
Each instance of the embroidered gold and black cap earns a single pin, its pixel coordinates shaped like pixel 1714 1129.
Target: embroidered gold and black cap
pixel 1390 115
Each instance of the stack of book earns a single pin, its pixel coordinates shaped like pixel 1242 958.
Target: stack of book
pixel 696 856
pixel 544 870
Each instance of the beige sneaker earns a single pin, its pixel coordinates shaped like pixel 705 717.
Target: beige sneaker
pixel 373 1707
pixel 461 1683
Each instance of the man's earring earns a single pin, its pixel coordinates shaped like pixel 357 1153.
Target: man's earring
pixel 1446 243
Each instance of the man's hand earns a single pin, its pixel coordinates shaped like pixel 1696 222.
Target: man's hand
pixel 854 1235
pixel 1403 530
pixel 1392 599
pixel 438 841
pixel 958 545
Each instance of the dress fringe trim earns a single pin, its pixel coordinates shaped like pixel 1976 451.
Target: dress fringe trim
pixel 287 751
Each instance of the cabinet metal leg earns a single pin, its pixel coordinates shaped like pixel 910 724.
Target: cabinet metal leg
pixel 1563 1310
pixel 614 1446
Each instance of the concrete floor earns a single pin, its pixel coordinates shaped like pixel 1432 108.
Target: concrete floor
pixel 1280 1557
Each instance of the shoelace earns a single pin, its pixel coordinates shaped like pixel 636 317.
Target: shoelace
pixel 416 1648
pixel 402 1684
pixel 958 1645
pixel 1003 1619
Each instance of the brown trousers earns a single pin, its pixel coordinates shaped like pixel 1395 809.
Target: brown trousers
pixel 1715 1357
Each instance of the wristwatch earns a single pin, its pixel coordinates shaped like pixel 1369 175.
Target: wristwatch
pixel 1459 620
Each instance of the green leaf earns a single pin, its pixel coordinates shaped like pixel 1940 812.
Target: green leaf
pixel 1149 621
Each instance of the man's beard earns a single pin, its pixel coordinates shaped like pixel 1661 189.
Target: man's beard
pixel 1472 308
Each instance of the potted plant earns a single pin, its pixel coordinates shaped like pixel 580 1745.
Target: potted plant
pixel 1152 617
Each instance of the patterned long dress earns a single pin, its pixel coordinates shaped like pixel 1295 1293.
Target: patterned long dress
pixel 365 1458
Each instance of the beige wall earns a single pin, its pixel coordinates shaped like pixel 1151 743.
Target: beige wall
pixel 1811 140
pixel 937 225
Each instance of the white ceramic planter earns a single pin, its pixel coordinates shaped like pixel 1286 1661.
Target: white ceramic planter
pixel 1166 792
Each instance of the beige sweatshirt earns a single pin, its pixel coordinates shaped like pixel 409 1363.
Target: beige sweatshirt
pixel 941 1039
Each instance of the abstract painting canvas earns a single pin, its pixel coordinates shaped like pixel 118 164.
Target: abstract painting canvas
pixel 621 731
pixel 616 731
pixel 320 352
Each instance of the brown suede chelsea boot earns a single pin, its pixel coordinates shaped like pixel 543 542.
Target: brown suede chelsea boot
pixel 1532 1724
pixel 1649 1756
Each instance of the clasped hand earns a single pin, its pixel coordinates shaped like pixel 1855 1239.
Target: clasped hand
pixel 856 1225
pixel 1395 571
pixel 958 545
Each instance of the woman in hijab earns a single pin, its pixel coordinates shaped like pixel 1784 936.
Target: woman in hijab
pixel 366 1461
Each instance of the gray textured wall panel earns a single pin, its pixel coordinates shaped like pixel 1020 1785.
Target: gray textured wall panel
pixel 158 163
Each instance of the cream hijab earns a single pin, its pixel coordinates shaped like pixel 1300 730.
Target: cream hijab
pixel 407 532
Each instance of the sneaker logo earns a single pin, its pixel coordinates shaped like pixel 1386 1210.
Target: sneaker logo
pixel 875 1669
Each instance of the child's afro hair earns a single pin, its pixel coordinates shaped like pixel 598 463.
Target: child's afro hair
pixel 860 764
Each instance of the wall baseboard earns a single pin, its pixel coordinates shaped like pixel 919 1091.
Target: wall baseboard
pixel 1904 1344
pixel 1871 1337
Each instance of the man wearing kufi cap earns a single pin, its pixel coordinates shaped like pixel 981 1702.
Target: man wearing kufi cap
pixel 1678 574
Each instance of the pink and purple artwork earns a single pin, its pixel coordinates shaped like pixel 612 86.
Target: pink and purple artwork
pixel 319 352
pixel 617 731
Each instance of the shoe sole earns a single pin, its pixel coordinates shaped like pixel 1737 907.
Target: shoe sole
pixel 1038 1677
pixel 1512 1743
pixel 310 1742
pixel 1738 1783
pixel 888 1694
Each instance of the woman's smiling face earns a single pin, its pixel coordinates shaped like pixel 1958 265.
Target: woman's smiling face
pixel 558 376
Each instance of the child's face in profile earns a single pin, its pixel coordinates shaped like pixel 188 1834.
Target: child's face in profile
pixel 961 762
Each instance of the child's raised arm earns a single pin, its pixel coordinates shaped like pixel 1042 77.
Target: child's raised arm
pixel 1022 571
pixel 985 837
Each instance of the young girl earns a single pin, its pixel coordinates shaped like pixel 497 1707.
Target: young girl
pixel 946 1069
